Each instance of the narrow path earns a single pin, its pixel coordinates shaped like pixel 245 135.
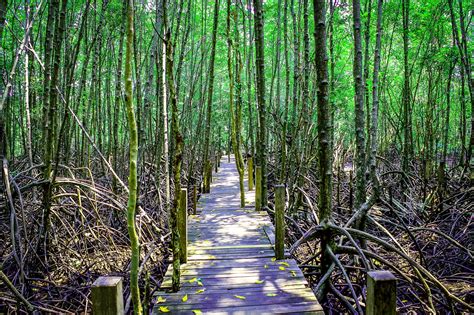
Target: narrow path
pixel 231 269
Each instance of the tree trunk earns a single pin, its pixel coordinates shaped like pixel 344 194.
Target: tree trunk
pixel 132 178
pixel 260 66
pixel 210 93
pixel 359 109
pixel 324 136
pixel 177 150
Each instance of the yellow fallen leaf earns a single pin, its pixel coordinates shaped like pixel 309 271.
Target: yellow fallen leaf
pixel 281 268
pixel 200 291
pixel 193 280
pixel 274 259
pixel 197 312
pixel 164 309
pixel 259 281
pixel 199 283
pixel 185 298
pixel 160 300
pixel 284 263
pixel 271 294
pixel 293 273
pixel 266 266
pixel 240 297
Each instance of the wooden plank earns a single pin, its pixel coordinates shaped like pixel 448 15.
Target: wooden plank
pixel 237 262
pixel 255 274
pixel 236 270
pixel 227 300
pixel 267 288
pixel 295 308
pixel 242 281
pixel 265 246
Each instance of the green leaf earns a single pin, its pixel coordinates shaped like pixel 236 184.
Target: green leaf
pixel 197 312
pixel 160 300
pixel 185 298
pixel 164 309
pixel 240 297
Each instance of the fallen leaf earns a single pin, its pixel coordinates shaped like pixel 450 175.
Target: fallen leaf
pixel 284 263
pixel 274 259
pixel 271 294
pixel 197 312
pixel 193 280
pixel 240 297
pixel 160 300
pixel 293 273
pixel 266 266
pixel 281 268
pixel 259 281
pixel 164 309
pixel 199 283
pixel 200 291
pixel 185 298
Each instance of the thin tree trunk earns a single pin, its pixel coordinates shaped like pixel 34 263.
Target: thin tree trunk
pixel 177 151
pixel 359 109
pixel 210 88
pixel 324 136
pixel 132 178
pixel 260 66
pixel 407 140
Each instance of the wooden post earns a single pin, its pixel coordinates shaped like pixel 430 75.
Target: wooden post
pixel 258 188
pixel 210 176
pixel 280 222
pixel 250 171
pixel 207 177
pixel 183 225
pixel 107 298
pixel 381 293
pixel 195 199
pixel 216 164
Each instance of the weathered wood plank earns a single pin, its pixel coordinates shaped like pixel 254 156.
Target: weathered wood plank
pixel 295 308
pixel 230 300
pixel 242 281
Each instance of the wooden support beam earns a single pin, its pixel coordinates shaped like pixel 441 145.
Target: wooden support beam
pixel 195 199
pixel 280 222
pixel 250 172
pixel 183 225
pixel 258 188
pixel 107 298
pixel 381 293
pixel 207 177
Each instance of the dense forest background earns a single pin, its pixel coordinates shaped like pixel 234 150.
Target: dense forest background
pixel 363 109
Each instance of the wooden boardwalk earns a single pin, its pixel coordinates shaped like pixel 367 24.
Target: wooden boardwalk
pixel 231 267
